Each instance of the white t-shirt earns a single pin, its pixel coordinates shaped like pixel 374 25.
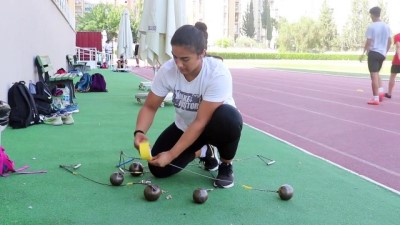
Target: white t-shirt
pixel 108 48
pixel 379 33
pixel 214 84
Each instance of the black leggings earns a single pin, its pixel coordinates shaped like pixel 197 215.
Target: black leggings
pixel 223 131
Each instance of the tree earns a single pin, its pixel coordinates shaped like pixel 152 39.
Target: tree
pixel 301 36
pixel 356 25
pixel 105 17
pixel 267 20
pixel 384 16
pixel 327 28
pixel 248 27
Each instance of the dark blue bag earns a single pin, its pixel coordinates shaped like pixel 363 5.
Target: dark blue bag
pixel 84 83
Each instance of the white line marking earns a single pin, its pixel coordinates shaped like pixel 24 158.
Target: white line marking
pixel 325 115
pixel 335 164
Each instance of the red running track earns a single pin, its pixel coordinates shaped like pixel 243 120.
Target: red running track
pixel 324 115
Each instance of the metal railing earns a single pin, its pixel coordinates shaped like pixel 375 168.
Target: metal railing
pixel 92 55
pixel 88 54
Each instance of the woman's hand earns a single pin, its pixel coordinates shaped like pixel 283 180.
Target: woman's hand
pixel 162 159
pixel 139 138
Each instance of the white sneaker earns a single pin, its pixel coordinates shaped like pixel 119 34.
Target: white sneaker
pixel 53 120
pixel 67 118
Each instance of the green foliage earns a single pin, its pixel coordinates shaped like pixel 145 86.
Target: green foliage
pixel 383 5
pixel 285 55
pixel 248 28
pixel 300 36
pixel 224 43
pixel 327 28
pixel 354 31
pixel 322 35
pixel 245 42
pixel 106 17
pixel 266 19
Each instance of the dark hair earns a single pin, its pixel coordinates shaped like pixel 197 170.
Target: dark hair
pixel 376 11
pixel 190 37
pixel 203 27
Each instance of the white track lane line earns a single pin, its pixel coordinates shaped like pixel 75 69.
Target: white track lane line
pixel 332 149
pixel 313 98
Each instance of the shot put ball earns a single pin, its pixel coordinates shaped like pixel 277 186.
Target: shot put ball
pixel 200 195
pixel 152 192
pixel 136 169
pixel 116 179
pixel 285 192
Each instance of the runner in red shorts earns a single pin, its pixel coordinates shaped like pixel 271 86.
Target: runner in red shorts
pixel 395 65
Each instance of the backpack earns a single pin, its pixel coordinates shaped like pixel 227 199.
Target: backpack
pixel 23 108
pixel 4 114
pixel 83 85
pixel 43 98
pixel 98 83
pixel 7 165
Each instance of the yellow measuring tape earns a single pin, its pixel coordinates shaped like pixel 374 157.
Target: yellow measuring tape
pixel 144 151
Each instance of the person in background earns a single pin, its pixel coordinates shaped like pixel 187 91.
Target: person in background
pixel 395 65
pixel 108 52
pixel 376 47
pixel 122 62
pixel 205 111
pixel 136 53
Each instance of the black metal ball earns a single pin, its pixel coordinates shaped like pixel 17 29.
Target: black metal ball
pixel 152 192
pixel 200 195
pixel 285 192
pixel 136 169
pixel 116 179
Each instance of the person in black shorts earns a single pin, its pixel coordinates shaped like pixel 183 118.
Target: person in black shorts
pixel 136 54
pixel 376 46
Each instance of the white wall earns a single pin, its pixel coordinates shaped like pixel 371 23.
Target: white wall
pixel 29 28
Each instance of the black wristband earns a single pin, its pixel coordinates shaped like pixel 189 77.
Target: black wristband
pixel 137 131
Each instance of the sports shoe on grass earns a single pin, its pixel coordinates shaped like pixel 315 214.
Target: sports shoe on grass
pixel 373 102
pixel 381 97
pixel 72 108
pixel 53 120
pixel 67 118
pixel 224 178
pixel 388 96
pixel 210 161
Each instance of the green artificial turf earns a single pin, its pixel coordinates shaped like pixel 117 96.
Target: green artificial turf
pixel 323 193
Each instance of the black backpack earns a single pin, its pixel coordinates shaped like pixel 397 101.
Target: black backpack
pixel 43 99
pixel 23 109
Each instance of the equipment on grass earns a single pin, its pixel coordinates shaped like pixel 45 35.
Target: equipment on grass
pixel 136 169
pixel 7 166
pixel 141 98
pixel 200 195
pixel 116 179
pixel 152 192
pixel 285 191
pixel 145 85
